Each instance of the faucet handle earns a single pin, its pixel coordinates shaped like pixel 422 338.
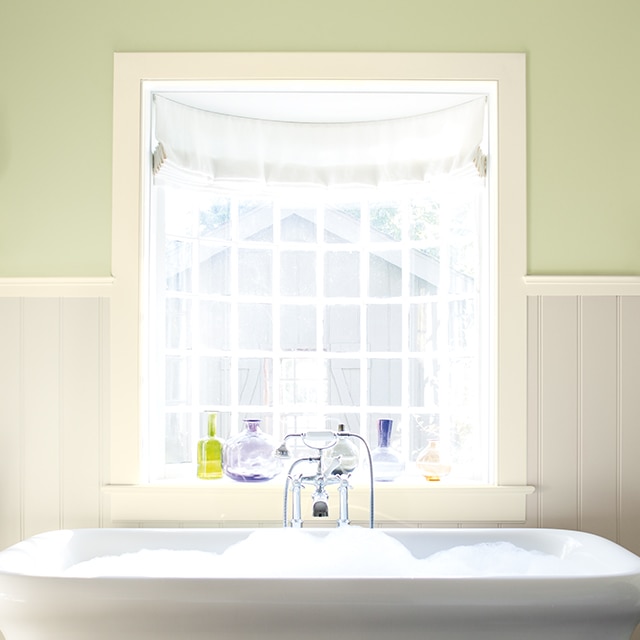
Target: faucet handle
pixel 320 440
pixel 332 464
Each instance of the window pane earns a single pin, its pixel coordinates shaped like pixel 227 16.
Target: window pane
pixel 178 257
pixel 254 326
pixel 178 323
pixel 215 269
pixel 298 273
pixel 425 383
pixel 424 221
pixel 298 225
pixel 342 222
pixel 351 420
pixel 385 274
pixel 341 275
pixel 255 220
pixel 342 328
pixel 386 221
pixel 385 379
pixel 384 327
pixel 180 213
pixel 177 437
pixel 178 380
pixel 255 380
pixel 344 382
pixel 215 320
pixel 215 218
pixel 423 324
pixel 463 324
pixel 426 272
pixel 302 381
pixel 298 327
pixel 214 381
pixel 254 272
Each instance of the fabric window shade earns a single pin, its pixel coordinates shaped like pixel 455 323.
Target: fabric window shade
pixel 202 148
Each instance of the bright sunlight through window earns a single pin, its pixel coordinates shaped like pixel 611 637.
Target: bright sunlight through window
pixel 307 306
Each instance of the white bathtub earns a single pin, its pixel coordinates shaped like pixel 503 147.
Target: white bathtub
pixel 38 601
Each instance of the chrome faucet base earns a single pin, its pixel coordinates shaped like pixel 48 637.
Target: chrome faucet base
pixel 325 475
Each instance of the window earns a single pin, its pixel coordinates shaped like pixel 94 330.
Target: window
pixel 302 308
pixel 317 349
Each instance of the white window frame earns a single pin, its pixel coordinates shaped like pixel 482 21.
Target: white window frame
pixel 133 500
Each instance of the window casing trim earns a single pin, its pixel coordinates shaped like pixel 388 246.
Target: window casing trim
pixel 129 200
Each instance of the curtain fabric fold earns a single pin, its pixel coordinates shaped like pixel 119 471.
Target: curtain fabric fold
pixel 204 148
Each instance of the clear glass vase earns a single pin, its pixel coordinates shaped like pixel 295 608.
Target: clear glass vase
pixel 387 463
pixel 250 456
pixel 342 458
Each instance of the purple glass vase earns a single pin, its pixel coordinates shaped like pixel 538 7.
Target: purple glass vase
pixel 249 456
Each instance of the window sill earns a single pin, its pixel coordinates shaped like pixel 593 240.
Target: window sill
pixel 225 503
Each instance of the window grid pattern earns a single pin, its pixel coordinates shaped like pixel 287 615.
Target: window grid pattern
pixel 307 314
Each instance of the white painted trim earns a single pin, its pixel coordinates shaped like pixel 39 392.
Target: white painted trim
pixel 222 502
pixel 582 285
pixel 98 287
pixel 130 160
pixel 76 287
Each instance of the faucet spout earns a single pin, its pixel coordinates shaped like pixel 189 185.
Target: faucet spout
pixel 320 509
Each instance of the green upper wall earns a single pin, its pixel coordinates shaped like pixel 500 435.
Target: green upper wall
pixel 56 92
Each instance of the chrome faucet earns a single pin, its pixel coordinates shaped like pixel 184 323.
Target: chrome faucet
pixel 327 472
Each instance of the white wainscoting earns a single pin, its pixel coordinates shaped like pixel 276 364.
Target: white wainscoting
pixel 584 414
pixel 583 410
pixel 54 355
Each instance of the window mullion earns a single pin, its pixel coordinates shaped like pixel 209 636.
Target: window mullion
pixel 157 340
pixel 323 367
pixel 365 258
pixel 195 351
pixel 443 351
pixel 405 403
pixel 276 309
pixel 234 392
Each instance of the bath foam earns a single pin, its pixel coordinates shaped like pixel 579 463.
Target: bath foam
pixel 347 552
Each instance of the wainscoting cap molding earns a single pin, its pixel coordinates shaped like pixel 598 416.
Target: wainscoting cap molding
pixel 56 287
pixel 582 285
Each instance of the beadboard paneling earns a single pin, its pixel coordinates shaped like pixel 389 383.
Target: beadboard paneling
pixel 42 410
pixel 583 414
pixel 11 421
pixel 559 444
pixel 82 420
pixel 629 418
pixel 598 428
pixel 52 375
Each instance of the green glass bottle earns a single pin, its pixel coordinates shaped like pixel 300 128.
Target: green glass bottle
pixel 210 452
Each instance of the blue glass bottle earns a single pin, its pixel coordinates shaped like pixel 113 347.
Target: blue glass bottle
pixel 387 464
pixel 250 456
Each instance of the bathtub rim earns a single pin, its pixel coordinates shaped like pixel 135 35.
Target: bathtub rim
pixel 77 545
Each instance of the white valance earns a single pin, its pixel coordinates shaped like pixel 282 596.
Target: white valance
pixel 205 148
